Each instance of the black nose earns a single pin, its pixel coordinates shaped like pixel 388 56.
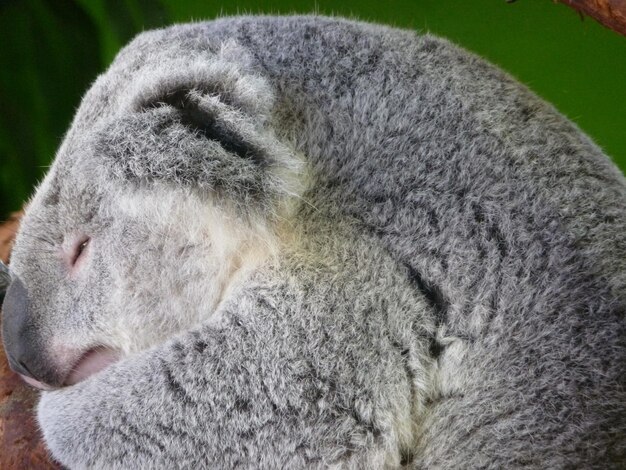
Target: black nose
pixel 18 335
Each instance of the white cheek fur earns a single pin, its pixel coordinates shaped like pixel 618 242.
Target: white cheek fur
pixel 206 259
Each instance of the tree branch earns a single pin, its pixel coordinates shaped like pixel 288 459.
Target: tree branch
pixel 611 13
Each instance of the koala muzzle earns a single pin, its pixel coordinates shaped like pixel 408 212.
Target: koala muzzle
pixel 20 339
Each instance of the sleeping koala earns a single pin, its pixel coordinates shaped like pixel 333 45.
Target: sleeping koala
pixel 308 242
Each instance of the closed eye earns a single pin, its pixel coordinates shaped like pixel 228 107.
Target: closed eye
pixel 79 250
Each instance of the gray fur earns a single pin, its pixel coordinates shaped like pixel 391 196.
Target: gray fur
pixel 438 275
pixel 5 279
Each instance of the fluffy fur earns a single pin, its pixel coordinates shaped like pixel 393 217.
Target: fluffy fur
pixel 321 243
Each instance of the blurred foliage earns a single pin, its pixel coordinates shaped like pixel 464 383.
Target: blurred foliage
pixel 52 49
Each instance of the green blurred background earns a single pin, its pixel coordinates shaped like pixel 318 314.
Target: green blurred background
pixel 51 50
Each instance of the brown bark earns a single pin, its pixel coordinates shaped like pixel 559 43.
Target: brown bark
pixel 7 234
pixel 611 13
pixel 21 446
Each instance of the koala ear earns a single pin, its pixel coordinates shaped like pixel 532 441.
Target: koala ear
pixel 227 73
pixel 203 123
pixel 209 116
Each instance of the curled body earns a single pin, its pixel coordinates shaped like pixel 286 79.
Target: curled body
pixel 304 242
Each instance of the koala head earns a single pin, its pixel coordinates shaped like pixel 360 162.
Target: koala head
pixel 169 186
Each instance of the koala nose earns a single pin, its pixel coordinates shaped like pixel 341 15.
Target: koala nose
pixel 18 335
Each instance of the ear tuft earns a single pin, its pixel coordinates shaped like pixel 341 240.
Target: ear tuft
pixel 199 112
pixel 227 75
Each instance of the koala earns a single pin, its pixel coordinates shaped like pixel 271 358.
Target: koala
pixel 5 279
pixel 308 242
